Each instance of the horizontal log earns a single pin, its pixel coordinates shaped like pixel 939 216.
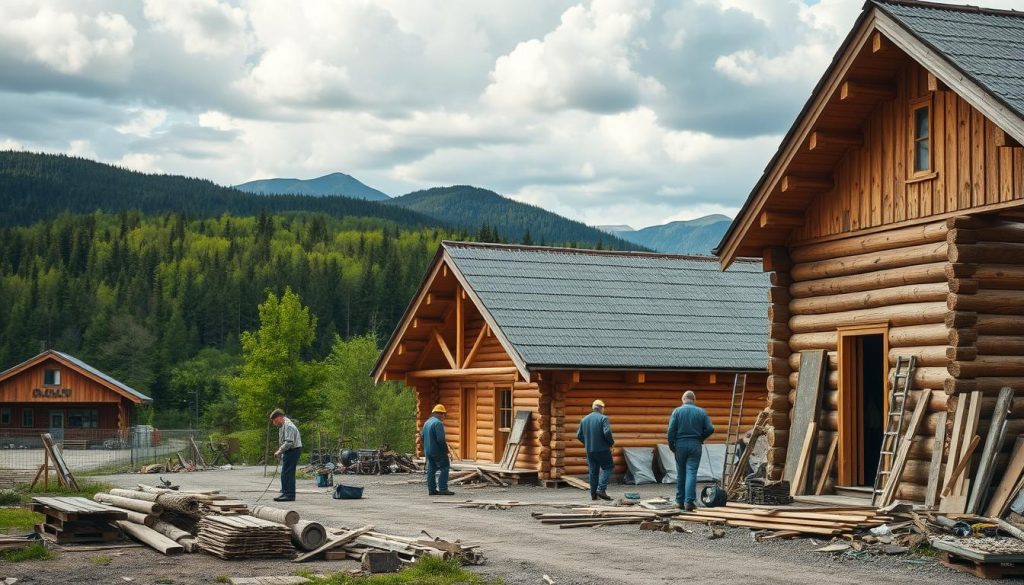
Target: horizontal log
pixel 987 253
pixel 897 295
pixel 988 365
pixel 870 243
pixel 909 336
pixel 997 276
pixel 999 302
pixel 934 272
pixel 1000 344
pixel 459 373
pixel 933 377
pixel 899 315
pixel 988 324
pixel 870 262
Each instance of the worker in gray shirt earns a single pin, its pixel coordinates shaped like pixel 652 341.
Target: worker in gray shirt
pixel 688 428
pixel 290 448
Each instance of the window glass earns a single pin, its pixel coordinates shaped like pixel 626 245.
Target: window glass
pixel 5 416
pixel 51 378
pixel 83 418
pixel 28 418
pixel 505 408
pixel 922 158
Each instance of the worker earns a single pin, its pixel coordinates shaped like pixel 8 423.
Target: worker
pixel 435 450
pixel 595 433
pixel 688 428
pixel 288 451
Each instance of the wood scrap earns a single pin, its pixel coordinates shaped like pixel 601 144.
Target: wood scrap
pixel 826 471
pixel 961 466
pixel 895 472
pixel 1008 485
pixel 334 541
pixel 800 471
pixel 576 482
pixel 993 446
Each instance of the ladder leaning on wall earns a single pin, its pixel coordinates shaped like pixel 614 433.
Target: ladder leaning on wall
pixel 732 433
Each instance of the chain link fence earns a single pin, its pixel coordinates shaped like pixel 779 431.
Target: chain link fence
pixel 98 451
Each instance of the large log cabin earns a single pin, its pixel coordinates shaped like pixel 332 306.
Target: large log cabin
pixel 495 329
pixel 58 393
pixel 891 223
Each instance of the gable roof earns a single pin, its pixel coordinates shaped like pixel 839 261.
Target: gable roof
pixel 77 364
pixel 974 51
pixel 561 308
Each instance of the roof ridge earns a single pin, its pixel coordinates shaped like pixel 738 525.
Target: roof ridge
pixel 952 7
pixel 588 251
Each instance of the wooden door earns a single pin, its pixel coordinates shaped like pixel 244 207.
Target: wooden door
pixel 467 443
pixel 853 462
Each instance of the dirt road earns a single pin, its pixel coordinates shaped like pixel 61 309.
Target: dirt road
pixel 519 549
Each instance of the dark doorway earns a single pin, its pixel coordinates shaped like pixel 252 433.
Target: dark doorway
pixel 872 394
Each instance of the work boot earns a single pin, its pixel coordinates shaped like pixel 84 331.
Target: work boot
pixel 445 493
pixel 593 496
pixel 284 499
pixel 690 507
pixel 603 496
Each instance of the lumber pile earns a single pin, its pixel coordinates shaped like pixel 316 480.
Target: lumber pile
pixel 820 520
pixel 589 517
pixel 232 537
pixel 357 543
pixel 76 520
pixel 476 477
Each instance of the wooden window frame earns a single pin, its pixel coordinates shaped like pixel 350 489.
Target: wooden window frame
pixel 923 103
pixel 29 415
pixel 501 433
pixel 468 436
pixel 56 375
pixel 850 460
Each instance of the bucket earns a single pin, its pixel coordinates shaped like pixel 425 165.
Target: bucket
pixel 323 480
pixel 347 492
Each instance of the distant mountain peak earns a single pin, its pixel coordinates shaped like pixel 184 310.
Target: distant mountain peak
pixel 615 229
pixel 331 184
pixel 686 236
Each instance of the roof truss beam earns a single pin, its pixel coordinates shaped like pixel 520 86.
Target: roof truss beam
pixel 852 90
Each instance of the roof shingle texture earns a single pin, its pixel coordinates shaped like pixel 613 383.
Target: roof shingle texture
pixel 987 46
pixel 619 311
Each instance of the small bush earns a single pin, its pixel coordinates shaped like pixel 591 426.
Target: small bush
pixel 252 445
pixel 9 497
pixel 32 552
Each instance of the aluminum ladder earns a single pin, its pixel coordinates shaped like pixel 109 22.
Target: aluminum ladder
pixel 902 380
pixel 732 434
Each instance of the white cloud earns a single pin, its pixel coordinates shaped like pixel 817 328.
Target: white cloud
pixel 204 26
pixel 66 41
pixel 81 148
pixel 143 122
pixel 139 161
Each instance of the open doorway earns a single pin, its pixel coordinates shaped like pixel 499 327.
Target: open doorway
pixel 863 393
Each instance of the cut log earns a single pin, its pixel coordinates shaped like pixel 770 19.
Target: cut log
pixel 170 531
pixel 308 535
pixel 151 538
pixel 898 295
pixel 899 315
pixel 130 504
pixel 287 517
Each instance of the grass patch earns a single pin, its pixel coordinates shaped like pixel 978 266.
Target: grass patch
pixel 164 581
pixel 9 497
pixel 33 552
pixel 14 519
pixel 426 571
pixel 222 579
pixel 102 560
pixel 86 490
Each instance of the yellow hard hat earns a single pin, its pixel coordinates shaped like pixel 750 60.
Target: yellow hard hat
pixel 597 403
pixel 439 408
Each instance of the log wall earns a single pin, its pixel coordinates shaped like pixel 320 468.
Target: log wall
pixel 639 412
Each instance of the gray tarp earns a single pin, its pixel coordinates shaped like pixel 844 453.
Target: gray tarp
pixel 711 459
pixel 667 459
pixel 639 465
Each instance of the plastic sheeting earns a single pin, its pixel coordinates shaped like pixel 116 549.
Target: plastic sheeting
pixel 639 465
pixel 667 461
pixel 712 458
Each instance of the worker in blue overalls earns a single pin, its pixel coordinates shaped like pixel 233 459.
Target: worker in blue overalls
pixel 595 433
pixel 688 428
pixel 435 451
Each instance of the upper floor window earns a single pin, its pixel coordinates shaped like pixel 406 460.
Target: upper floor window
pixel 51 377
pixel 922 137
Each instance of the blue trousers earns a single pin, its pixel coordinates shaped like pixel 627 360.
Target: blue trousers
pixel 289 460
pixel 600 465
pixel 688 453
pixel 435 464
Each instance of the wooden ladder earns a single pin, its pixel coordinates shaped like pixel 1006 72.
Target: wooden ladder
pixel 732 434
pixel 902 380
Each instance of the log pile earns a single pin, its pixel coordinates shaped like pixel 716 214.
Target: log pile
pixel 232 537
pixel 76 520
pixel 165 520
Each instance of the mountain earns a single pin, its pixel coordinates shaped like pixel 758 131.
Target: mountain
pixel 615 229
pixel 695 236
pixel 472 208
pixel 332 184
pixel 36 186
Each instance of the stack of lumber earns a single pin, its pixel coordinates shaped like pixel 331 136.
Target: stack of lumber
pixel 230 537
pixel 476 477
pixel 765 493
pixel 76 520
pixel 589 517
pixel 223 508
pixel 820 520
pixel 354 544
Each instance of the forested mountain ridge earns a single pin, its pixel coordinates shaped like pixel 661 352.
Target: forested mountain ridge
pixel 695 236
pixel 327 185
pixel 470 208
pixel 36 186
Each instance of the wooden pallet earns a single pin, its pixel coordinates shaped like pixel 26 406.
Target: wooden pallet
pixel 980 569
pixel 77 520
pixel 81 535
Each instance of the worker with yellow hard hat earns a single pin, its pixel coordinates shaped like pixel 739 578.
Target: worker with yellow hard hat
pixel 595 432
pixel 435 451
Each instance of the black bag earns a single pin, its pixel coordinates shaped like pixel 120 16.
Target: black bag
pixel 347 492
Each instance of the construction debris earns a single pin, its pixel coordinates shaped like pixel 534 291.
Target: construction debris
pixel 75 519
pixel 353 544
pixel 476 477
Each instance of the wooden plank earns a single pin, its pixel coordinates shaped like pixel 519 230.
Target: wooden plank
pixel 931 496
pixel 964 461
pixel 800 476
pixel 826 470
pixel 906 441
pixel 970 430
pixel 813 369
pixel 444 349
pixel 953 457
pixel 993 446
pixel 1011 477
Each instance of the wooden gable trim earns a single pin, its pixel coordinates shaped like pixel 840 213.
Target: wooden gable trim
pixel 48 355
pixel 492 324
pixel 871 21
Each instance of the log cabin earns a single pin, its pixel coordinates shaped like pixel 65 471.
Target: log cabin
pixel 891 223
pixel 58 393
pixel 496 329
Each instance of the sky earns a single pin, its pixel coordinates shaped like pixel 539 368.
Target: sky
pixel 607 111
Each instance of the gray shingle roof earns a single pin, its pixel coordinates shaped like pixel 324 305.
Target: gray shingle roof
pixel 99 374
pixel 987 45
pixel 586 309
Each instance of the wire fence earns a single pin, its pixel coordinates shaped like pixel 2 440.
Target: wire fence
pixel 98 451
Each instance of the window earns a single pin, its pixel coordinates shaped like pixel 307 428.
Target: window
pixel 505 409
pixel 51 378
pixel 5 416
pixel 83 418
pixel 921 132
pixel 28 419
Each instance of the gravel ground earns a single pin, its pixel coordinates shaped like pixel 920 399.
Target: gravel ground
pixel 519 550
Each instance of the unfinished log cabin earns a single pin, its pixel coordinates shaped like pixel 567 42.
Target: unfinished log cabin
pixel 891 223
pixel 496 329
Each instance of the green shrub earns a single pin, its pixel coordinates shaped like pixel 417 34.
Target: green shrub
pixel 252 444
pixel 9 497
pixel 32 552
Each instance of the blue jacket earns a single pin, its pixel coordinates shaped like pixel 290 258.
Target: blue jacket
pixel 595 433
pixel 689 421
pixel 434 443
